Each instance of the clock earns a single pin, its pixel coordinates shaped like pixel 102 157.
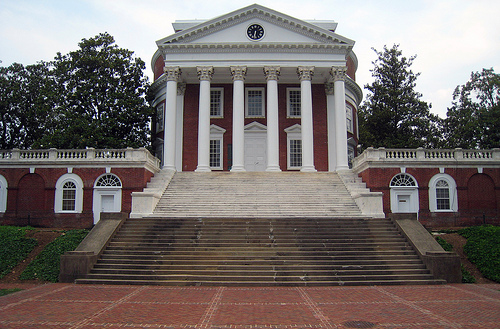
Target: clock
pixel 255 32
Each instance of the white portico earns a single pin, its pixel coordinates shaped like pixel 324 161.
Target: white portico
pixel 260 67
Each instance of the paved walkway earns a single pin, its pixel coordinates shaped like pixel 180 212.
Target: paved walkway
pixel 92 306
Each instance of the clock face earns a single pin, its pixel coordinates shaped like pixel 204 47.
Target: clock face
pixel 255 32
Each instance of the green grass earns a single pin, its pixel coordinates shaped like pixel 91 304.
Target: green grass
pixel 14 247
pixel 4 292
pixel 483 249
pixel 46 265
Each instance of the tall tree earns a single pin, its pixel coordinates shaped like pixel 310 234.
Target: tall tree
pixel 100 98
pixel 473 121
pixel 393 115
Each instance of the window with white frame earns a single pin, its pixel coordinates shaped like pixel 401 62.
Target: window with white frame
pixel 160 111
pixel 216 145
pixel 443 193
pixel 3 194
pixel 293 105
pixel 348 115
pixel 254 102
pixel 294 147
pixel 216 102
pixel 69 194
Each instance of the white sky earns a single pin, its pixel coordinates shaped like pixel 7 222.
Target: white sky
pixel 451 38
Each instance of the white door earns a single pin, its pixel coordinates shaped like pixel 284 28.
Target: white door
pixel 255 152
pixel 403 203
pixel 107 203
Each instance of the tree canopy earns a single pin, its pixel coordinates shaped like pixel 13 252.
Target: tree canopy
pixel 473 121
pixel 393 114
pixel 91 97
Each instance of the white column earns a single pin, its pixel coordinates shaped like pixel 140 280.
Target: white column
pixel 205 74
pixel 273 162
pixel 338 74
pixel 305 75
pixel 330 117
pixel 238 73
pixel 169 143
pixel 181 89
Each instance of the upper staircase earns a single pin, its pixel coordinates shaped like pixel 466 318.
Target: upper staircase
pixel 256 195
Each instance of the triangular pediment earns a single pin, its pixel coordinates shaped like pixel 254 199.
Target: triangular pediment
pixel 231 29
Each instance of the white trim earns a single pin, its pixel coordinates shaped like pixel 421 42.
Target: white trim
pixel 263 107
pixel 3 194
pixel 404 194
pixel 58 202
pixel 221 103
pixel 452 186
pixel 288 90
pixel 101 191
pixel 217 133
pixel 292 133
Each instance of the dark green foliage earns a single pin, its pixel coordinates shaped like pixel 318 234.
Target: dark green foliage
pixel 92 97
pixel 46 266
pixel 444 244
pixel 14 247
pixel 466 276
pixel 473 121
pixel 4 292
pixel 392 114
pixel 483 249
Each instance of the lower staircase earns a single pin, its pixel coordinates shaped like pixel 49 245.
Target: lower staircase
pixel 258 229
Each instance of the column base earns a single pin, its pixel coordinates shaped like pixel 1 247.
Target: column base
pixel 342 168
pixel 203 169
pixel 169 167
pixel 238 169
pixel 308 169
pixel 273 169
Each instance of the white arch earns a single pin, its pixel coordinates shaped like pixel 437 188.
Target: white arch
pixel 452 188
pixel 404 194
pixel 107 195
pixel 58 202
pixel 3 194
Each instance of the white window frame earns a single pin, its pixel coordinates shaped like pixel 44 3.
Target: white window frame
pixel 3 194
pixel 349 115
pixel 58 202
pixel 292 133
pixel 263 105
pixel 288 102
pixel 217 133
pixel 160 117
pixel 452 187
pixel 221 103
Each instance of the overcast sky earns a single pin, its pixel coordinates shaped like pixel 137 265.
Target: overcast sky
pixel 451 38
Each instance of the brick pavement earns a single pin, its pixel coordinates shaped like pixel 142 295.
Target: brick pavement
pixel 91 306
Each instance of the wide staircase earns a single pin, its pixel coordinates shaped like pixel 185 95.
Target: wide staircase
pixel 258 229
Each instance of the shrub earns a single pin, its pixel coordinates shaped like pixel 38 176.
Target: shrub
pixel 445 244
pixel 483 249
pixel 47 264
pixel 14 247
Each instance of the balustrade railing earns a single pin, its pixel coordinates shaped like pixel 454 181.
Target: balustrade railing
pixel 78 156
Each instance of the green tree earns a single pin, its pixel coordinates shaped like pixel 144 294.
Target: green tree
pixel 393 115
pixel 473 120
pixel 100 98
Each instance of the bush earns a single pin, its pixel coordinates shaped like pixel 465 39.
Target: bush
pixel 14 247
pixel 466 276
pixel 444 244
pixel 483 249
pixel 47 264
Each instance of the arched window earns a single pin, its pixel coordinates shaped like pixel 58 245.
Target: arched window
pixel 69 194
pixel 3 194
pixel 404 194
pixel 442 193
pixel 108 180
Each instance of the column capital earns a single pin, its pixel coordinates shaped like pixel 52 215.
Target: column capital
pixel 305 72
pixel 338 73
pixel 272 72
pixel 238 72
pixel 181 88
pixel 329 88
pixel 173 72
pixel 205 73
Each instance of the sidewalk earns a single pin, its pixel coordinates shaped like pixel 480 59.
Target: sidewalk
pixel 91 306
